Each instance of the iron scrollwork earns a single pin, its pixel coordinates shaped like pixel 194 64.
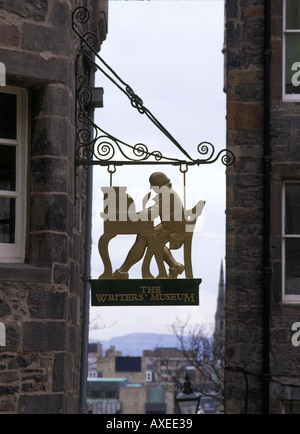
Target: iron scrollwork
pixel 95 146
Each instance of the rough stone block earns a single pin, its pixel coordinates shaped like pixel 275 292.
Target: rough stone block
pixel 47 248
pixel 49 174
pixel 61 274
pixel 52 100
pixel 36 10
pixel 9 35
pixel 41 404
pixel 49 212
pixel 61 15
pixel 40 67
pixel 58 372
pixel 8 390
pixel 46 304
pixel 245 116
pixel 41 39
pixel 44 336
pixel 4 308
pixel 24 273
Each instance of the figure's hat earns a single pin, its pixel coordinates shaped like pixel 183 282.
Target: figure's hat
pixel 158 179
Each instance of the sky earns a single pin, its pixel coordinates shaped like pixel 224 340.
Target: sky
pixel 170 53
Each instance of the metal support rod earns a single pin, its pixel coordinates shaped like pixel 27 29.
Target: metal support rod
pixel 86 277
pixel 184 169
pixel 102 148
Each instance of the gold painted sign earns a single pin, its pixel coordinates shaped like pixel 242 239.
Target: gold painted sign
pixel 175 231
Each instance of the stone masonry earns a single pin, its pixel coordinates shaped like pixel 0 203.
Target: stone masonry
pixel 41 300
pixel 244 258
pixel 245 42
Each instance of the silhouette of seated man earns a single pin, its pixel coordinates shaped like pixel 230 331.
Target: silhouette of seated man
pixel 169 208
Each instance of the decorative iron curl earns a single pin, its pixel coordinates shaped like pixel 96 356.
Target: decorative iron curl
pixel 81 15
pixel 205 148
pixel 84 95
pixel 228 158
pixel 84 136
pixel 84 153
pixel 157 155
pixel 104 149
pixel 141 151
pixel 90 38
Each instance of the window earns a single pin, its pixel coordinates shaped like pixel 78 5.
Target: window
pixel 128 364
pixel 291 50
pixel 291 407
pixel 291 242
pixel 13 163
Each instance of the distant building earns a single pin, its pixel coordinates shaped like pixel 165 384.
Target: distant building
pixel 103 395
pixel 112 364
pixel 164 365
pixel 94 352
pixel 140 385
pixel 148 384
pixel 220 312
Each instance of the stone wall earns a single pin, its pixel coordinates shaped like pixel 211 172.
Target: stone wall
pixel 285 133
pixel 244 260
pixel 41 300
pixel 244 277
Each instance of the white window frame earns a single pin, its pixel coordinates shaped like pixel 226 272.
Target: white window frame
pixel 287 97
pixel 286 298
pixel 15 253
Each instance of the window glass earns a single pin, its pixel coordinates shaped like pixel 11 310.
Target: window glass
pixel 292 14
pixel 292 266
pixel 7 168
pixel 291 242
pixel 292 209
pixel 13 173
pixel 292 407
pixel 7 220
pixel 292 63
pixel 8 116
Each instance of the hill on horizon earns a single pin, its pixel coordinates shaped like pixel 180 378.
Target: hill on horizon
pixel 133 344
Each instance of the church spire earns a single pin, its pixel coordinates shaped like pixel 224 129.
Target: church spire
pixel 220 313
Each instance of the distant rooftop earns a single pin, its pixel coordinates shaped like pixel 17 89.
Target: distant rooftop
pixel 134 385
pixel 108 380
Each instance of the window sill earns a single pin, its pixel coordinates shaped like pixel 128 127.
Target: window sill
pixel 291 302
pixel 24 273
pixel 294 99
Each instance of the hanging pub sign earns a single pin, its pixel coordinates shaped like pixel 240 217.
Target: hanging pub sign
pixel 137 292
pixel 175 231
pixel 94 146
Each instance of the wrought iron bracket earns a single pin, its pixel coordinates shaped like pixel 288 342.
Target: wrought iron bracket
pixel 95 146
